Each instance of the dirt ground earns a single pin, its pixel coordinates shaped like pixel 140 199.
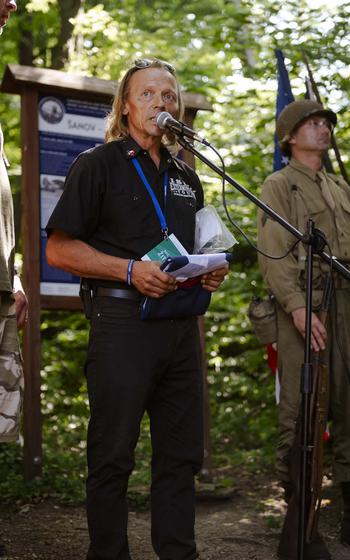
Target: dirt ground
pixel 239 524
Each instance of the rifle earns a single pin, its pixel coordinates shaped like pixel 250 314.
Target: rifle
pixel 318 99
pixel 288 544
pixel 319 411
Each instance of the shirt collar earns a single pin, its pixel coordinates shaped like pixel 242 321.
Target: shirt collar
pixel 298 166
pixel 132 149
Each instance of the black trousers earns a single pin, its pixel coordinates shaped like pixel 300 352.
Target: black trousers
pixel 135 366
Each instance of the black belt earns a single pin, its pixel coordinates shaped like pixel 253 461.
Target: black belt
pixel 117 293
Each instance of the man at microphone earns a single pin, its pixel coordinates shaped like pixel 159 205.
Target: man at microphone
pixel 105 221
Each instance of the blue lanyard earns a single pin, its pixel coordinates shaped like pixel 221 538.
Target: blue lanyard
pixel 160 214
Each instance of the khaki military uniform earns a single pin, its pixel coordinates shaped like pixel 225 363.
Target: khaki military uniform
pixel 297 193
pixel 11 373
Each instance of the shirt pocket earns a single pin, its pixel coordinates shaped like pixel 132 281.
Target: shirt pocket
pixel 316 207
pixel 344 209
pixel 343 225
pixel 129 215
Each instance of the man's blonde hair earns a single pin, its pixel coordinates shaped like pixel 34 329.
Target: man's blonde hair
pixel 117 123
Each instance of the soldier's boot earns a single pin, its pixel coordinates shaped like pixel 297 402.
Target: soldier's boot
pixel 345 525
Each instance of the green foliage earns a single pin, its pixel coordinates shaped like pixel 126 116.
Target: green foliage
pixel 225 50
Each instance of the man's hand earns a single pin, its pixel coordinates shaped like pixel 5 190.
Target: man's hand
pixel 20 301
pixel 150 280
pixel 21 308
pixel 213 280
pixel 318 331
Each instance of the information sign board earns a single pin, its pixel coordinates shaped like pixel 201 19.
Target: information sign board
pixel 67 127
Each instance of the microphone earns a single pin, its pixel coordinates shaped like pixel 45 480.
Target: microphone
pixel 166 121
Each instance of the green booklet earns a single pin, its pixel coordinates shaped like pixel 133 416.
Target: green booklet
pixel 170 247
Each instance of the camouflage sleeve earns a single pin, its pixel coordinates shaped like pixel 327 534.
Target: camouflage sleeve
pixel 280 276
pixel 11 374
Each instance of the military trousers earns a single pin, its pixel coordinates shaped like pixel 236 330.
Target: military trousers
pixel 290 348
pixel 11 371
pixel 135 366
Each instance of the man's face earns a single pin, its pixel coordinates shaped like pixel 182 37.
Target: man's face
pixel 6 7
pixel 150 91
pixel 313 135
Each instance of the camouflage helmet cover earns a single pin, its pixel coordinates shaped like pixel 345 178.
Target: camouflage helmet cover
pixel 293 115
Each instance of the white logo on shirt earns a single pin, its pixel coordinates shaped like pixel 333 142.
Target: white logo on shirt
pixel 179 188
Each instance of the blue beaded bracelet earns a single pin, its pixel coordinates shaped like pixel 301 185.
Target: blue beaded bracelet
pixel 129 272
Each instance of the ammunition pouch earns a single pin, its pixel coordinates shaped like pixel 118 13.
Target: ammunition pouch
pixel 85 293
pixel 263 317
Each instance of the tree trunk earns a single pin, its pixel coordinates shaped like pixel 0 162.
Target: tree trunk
pixel 26 41
pixel 67 9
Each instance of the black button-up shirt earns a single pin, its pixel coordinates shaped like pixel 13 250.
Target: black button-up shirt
pixel 106 204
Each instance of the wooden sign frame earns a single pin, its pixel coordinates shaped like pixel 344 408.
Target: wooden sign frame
pixel 31 82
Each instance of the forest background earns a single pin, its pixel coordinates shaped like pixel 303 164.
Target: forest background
pixel 223 49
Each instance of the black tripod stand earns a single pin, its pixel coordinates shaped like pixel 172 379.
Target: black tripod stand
pixel 315 241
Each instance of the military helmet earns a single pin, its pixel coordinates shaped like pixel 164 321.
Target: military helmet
pixel 293 115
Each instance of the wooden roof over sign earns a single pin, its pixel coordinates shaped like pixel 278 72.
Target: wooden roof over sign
pixel 17 77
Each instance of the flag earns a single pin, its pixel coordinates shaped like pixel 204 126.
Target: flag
pixel 284 97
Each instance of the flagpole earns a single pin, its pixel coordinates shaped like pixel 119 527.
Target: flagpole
pixel 333 140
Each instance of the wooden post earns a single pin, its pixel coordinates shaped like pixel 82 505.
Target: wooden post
pixel 31 280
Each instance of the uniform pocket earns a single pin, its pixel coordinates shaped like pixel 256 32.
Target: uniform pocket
pixel 344 226
pixel 319 207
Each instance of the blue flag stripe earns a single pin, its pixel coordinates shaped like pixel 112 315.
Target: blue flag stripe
pixel 284 97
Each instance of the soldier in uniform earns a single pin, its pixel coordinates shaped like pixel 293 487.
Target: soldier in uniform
pixel 13 303
pixel 303 190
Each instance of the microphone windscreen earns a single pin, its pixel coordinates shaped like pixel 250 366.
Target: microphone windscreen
pixel 162 118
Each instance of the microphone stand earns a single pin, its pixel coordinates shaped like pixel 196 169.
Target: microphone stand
pixel 315 241
pixel 316 244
